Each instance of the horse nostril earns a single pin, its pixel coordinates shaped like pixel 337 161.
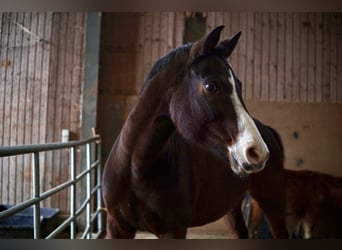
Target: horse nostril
pixel 253 155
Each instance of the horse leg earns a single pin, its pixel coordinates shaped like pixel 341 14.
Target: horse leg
pixel 119 230
pixel 273 204
pixel 235 224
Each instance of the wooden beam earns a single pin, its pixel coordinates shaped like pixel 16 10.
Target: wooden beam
pixel 91 73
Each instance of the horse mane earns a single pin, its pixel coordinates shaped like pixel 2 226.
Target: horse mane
pixel 164 61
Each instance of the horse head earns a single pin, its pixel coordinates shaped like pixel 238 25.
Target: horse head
pixel 207 107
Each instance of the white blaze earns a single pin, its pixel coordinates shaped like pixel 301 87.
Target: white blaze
pixel 248 134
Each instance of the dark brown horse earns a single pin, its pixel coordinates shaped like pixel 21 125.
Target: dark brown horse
pixel 185 153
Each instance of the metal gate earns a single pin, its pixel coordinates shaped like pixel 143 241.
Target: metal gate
pixel 92 203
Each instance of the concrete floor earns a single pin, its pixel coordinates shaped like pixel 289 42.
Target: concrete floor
pixel 215 230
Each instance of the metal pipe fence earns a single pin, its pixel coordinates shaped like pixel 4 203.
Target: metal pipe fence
pixel 91 171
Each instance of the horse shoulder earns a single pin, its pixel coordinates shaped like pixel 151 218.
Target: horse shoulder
pixel 117 173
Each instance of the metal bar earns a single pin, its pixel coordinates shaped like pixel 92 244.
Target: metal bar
pixel 72 191
pixel 68 221
pixel 18 208
pixel 27 149
pixel 38 197
pixel 92 220
pixel 88 194
pixel 36 192
pixel 98 184
pixel 61 227
pixel 46 194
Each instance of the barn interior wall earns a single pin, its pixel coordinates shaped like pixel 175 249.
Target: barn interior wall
pixel 41 71
pixel 311 133
pixel 286 57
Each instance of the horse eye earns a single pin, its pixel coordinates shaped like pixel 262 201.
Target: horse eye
pixel 210 87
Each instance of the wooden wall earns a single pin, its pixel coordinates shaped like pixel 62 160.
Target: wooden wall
pixel 286 57
pixel 41 74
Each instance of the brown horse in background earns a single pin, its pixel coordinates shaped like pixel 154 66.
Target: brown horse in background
pixel 313 206
pixel 186 152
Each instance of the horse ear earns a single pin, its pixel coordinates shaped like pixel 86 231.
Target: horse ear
pixel 206 43
pixel 226 47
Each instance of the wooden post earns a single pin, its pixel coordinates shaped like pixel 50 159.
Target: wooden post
pixel 90 89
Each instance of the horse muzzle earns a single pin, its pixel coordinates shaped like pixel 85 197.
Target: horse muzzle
pixel 248 159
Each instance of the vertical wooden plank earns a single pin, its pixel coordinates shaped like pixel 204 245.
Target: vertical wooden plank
pixel 219 21
pixel 77 78
pixel 319 57
pixel 257 57
pixel 30 101
pixel 66 101
pixel 1 22
pixel 45 26
pixel 234 59
pixel 77 75
pixel 281 50
pixel 232 30
pixel 3 65
pixel 28 104
pixel 226 22
pixel 38 81
pixel 91 76
pixel 50 118
pixel 296 80
pixel 11 113
pixel 7 105
pixel 339 56
pixel 326 58
pixel 18 107
pixel 34 95
pixel 210 20
pixel 250 56
pixel 7 63
pixel 170 31
pixel 310 26
pixel 179 28
pixel 37 95
pixel 155 37
pixel 22 131
pixel 303 58
pixel 140 77
pixel 265 56
pixel 333 58
pixel 242 53
pixel 61 101
pixel 163 33
pixel 273 58
pixel 148 43
pixel 57 110
pixel 289 55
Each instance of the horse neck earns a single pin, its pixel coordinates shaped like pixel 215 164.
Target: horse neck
pixel 151 103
